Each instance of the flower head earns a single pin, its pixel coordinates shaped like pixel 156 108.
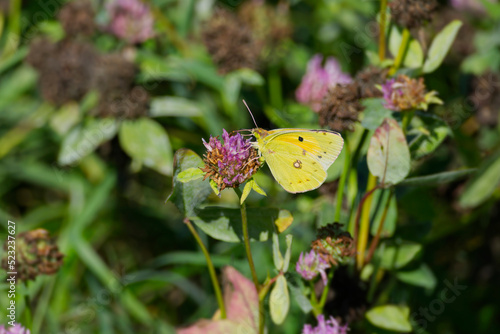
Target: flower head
pixel 231 161
pixel 404 93
pixel 318 80
pixel 131 20
pixel 341 107
pixel 330 326
pixel 36 254
pixel 16 329
pixel 310 265
pixel 412 13
pixel 334 245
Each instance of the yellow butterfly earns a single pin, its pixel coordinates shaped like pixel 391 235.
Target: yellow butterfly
pixel 298 158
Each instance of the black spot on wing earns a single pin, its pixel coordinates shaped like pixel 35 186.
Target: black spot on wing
pixel 301 139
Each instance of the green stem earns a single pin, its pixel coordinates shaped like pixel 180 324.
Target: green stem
pixel 374 279
pixel 376 239
pixel 211 269
pixel 401 52
pixel 364 227
pixel 381 38
pixel 322 300
pixel 246 240
pixel 343 177
pixel 314 300
pixel 407 117
pixel 27 308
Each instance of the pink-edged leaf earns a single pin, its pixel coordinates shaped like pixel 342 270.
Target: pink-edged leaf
pixel 388 155
pixel 242 305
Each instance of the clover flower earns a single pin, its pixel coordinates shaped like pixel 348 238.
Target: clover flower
pixel 36 254
pixel 330 326
pixel 131 20
pixel 334 245
pixel 318 80
pixel 230 162
pixel 404 93
pixel 340 107
pixel 310 265
pixel 412 13
pixel 16 329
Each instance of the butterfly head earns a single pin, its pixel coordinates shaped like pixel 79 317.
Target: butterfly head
pixel 259 133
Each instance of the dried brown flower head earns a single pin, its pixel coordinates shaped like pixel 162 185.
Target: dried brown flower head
pixel 77 18
pixel 36 254
pixel 65 69
pixel 411 13
pixel 333 244
pixel 230 42
pixel 404 93
pixel 340 107
pixel 368 79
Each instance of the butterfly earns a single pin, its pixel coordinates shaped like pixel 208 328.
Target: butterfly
pixel 298 158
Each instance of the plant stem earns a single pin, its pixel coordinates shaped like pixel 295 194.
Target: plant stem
pixel 407 117
pixel 365 206
pixel 343 177
pixel 322 300
pixel 376 239
pixel 27 308
pixel 381 37
pixel 401 52
pixel 246 240
pixel 211 269
pixel 314 300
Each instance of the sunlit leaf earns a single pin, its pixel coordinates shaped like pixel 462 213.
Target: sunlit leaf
pixel 390 317
pixel 388 156
pixel 174 106
pixel 190 174
pixel 284 220
pixel 288 253
pixel 279 300
pixel 429 132
pixel 146 141
pixel 277 257
pixel 398 255
pixel 440 46
pixel 84 139
pixel 422 276
pixel 375 113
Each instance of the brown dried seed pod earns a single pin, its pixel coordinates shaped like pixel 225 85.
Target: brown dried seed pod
pixel 411 13
pixel 340 107
pixel 77 18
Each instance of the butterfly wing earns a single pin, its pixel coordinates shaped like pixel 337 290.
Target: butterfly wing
pixel 299 158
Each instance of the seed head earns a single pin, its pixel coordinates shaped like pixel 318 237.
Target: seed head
pixel 230 162
pixel 404 93
pixel 334 245
pixel 340 107
pixel 36 254
pixel 411 13
pixel 77 18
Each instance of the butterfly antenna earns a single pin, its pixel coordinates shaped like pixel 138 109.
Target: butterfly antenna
pixel 254 122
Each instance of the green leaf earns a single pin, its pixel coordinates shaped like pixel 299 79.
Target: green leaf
pixel 246 191
pixel 440 46
pixel 414 57
pixel 483 184
pixel 289 239
pixel 65 118
pixel 258 189
pixel 187 196
pixel 147 143
pixel 83 140
pixel 175 106
pixel 277 257
pixel 190 174
pixel 279 301
pixel 388 156
pixel 374 113
pixel 399 255
pixel 225 224
pixel 303 302
pixel 429 131
pixel 390 317
pixel 422 276
pixel 436 179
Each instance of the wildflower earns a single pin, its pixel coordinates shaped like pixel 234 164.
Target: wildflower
pixel 404 93
pixel 77 18
pixel 411 13
pixel 230 162
pixel 318 80
pixel 341 107
pixel 16 329
pixel 330 326
pixel 310 265
pixel 131 20
pixel 230 42
pixel 334 245
pixel 36 253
